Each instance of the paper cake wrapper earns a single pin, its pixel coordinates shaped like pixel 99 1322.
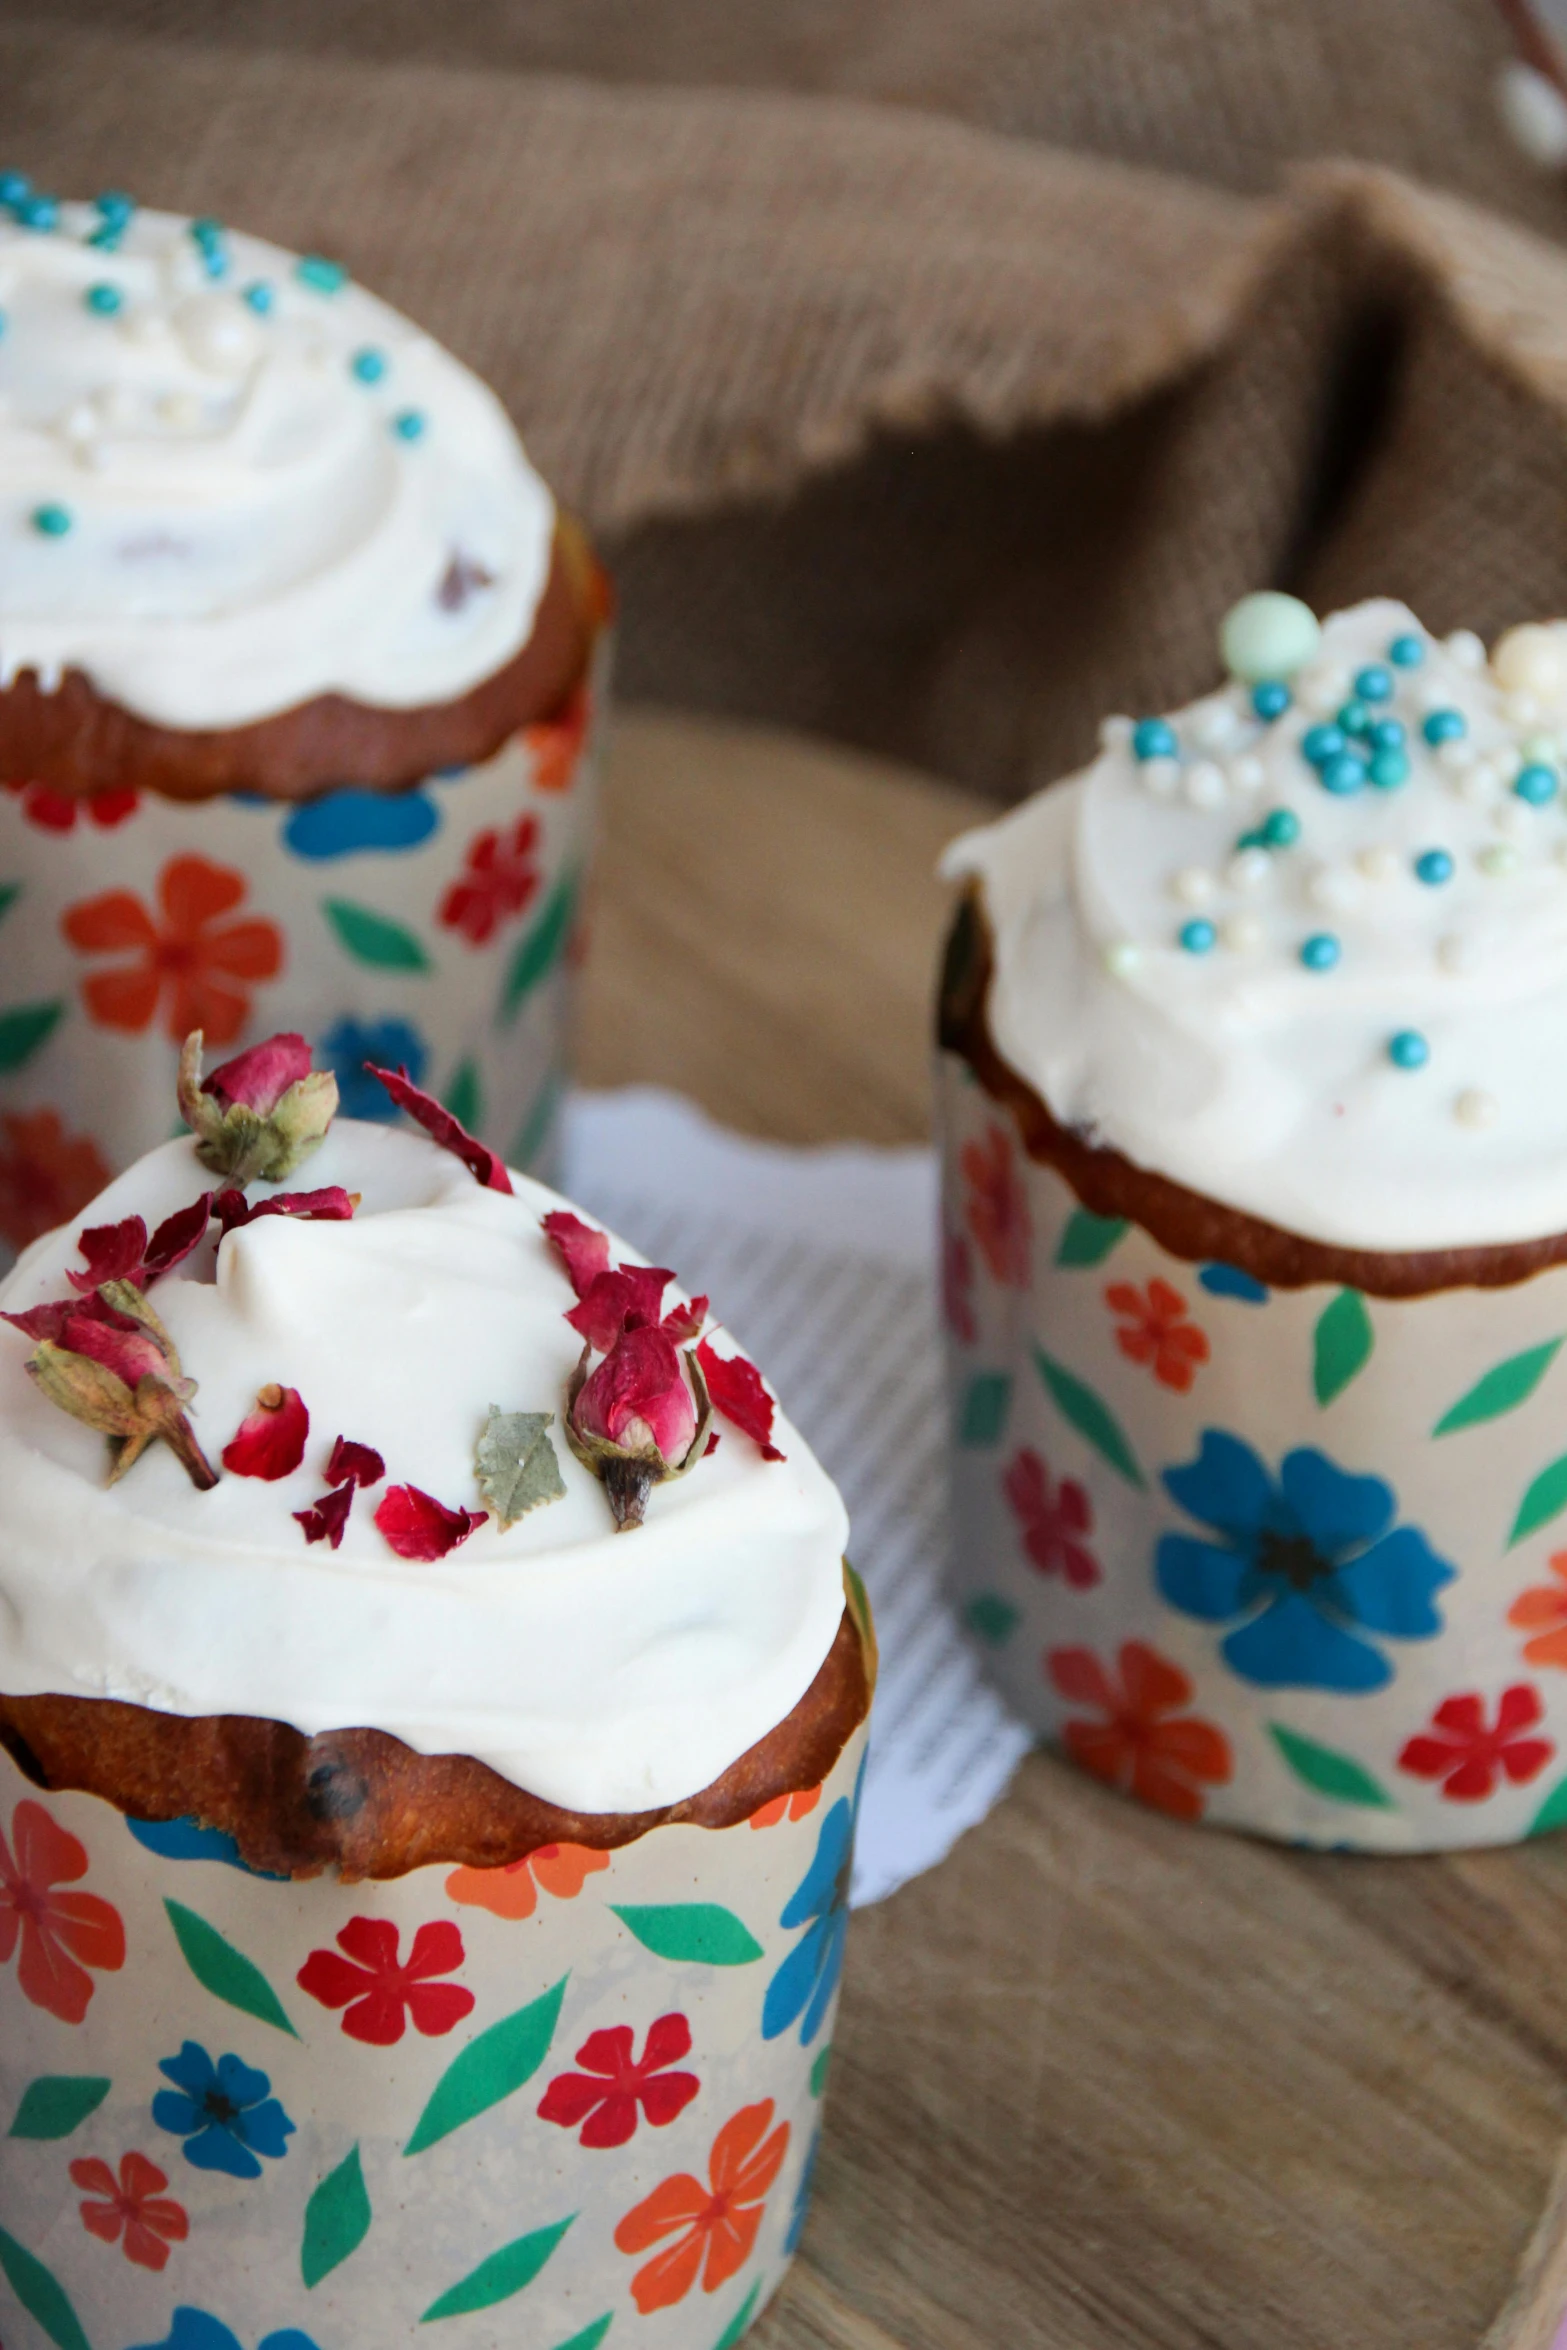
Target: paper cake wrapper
pixel 1167 1548
pixel 419 2186
pixel 435 927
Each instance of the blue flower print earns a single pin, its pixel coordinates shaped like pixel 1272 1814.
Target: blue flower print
pixel 193 2329
pixel 1229 1281
pixel 391 1044
pixel 802 2198
pixel 1310 1563
pixel 222 2111
pixel 187 1839
pixel 343 822
pixel 808 1977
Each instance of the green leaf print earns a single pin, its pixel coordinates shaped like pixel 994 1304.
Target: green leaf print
pixel 541 949
pixel 985 1407
pixel 1502 1389
pixel 489 2069
pixel 375 939
pixel 57 2103
pixel 1545 1499
pixel 1552 1812
pixel 539 1118
pixel 41 2295
pixel 1088 1239
pixel 590 2336
pixel 695 1933
pixel 337 2220
pixel 1337 1776
pixel 741 2319
pixel 991 1618
pixel 10 891
pixel 505 2272
pixel 224 1971
pixel 1344 1341
pixel 464 1097
pixel 24 1031
pixel 819 2070
pixel 1089 1415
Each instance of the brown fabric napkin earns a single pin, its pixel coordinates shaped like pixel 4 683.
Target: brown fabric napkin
pixel 896 428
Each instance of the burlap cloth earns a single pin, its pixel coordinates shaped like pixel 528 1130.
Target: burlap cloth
pixel 907 411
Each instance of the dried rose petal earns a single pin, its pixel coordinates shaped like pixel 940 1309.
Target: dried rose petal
pixel 627 1299
pixel 332 1205
pixel 443 1128
pixel 583 1251
pixel 258 1079
pixel 270 1441
pixel 735 1386
pixel 122 1252
pixel 324 1520
pixel 360 1464
pixel 132 1355
pixel 638 1398
pixel 48 1321
pixel 419 1527
pixel 683 1322
pixel 712 1444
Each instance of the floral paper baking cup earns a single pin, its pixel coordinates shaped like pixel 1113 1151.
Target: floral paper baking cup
pixel 572 2100
pixel 431 928
pixel 1290 1560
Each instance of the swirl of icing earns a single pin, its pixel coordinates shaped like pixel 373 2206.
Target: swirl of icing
pixel 601 1671
pixel 231 481
pixel 1303 946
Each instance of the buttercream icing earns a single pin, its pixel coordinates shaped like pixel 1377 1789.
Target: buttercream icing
pixel 1331 994
pixel 231 480
pixel 602 1671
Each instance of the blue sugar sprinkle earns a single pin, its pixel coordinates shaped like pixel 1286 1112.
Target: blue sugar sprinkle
pixel 368 366
pixel 1321 951
pixel 1355 718
pixel 1271 698
pixel 1321 743
pixel 1344 775
pixel 1537 784
pixel 1280 829
pixel 1445 726
pixel 103 301
pixel 1389 769
pixel 1199 937
pixel 319 274
pixel 41 213
pixel 1407 652
pixel 409 424
pixel 260 297
pixel 1433 867
pixel 14 185
pixel 1154 738
pixel 1374 684
pixel 1408 1049
pixel 1387 734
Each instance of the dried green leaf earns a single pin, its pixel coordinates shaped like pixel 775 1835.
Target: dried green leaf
pixel 516 1464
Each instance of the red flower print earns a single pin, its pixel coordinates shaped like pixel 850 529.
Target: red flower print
pixel 47 1176
pixel 1466 1756
pixel 132 2205
pixel 1157 1331
pixel 57 1930
pixel 605 2095
pixel 54 811
pixel 377 1990
pixel 1139 1746
pixel 798 1806
pixel 499 881
pixel 555 744
pixel 561 1869
pixel 957 1287
pixel 185 957
pixel 997 1212
pixel 1052 1520
pixel 1542 1610
pixel 716 2223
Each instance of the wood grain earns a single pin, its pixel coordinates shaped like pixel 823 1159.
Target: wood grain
pixel 1102 2082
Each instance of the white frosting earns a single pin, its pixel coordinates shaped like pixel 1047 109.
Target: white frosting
pixel 1242 1073
pixel 603 1671
pixel 247 526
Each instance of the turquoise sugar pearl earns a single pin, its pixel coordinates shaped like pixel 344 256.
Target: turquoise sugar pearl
pixel 1154 738
pixel 1374 684
pixel 1406 652
pixel 1268 636
pixel 1199 937
pixel 38 212
pixel 1445 726
pixel 1279 829
pixel 103 301
pixel 1321 743
pixel 319 274
pixel 1433 867
pixel 260 297
pixel 1537 784
pixel 1344 775
pixel 1271 698
pixel 409 424
pixel 368 366
pixel 1355 718
pixel 51 522
pixel 1387 734
pixel 114 207
pixel 1389 769
pixel 1321 951
pixel 14 185
pixel 1408 1049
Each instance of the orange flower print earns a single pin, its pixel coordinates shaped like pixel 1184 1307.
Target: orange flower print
pixel 46 1174
pixel 1157 1332
pixel 1139 1746
pixel 1542 1610
pixel 997 1211
pixel 57 1930
pixel 716 2223
pixel 133 2206
pixel 185 958
pixel 561 1869
pixel 555 744
pixel 797 1806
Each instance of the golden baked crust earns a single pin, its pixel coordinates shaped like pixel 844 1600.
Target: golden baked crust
pixel 77 743
pixel 1184 1222
pixel 366 1805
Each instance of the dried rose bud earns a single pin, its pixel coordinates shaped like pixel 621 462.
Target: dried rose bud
pixel 270 1441
pixel 259 1116
pixel 442 1127
pixel 419 1527
pixel 636 1422
pixel 122 1376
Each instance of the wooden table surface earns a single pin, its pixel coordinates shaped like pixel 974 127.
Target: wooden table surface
pixel 1102 2081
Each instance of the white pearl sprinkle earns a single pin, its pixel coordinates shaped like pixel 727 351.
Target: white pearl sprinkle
pixel 1478 786
pixel 1379 864
pixel 1243 933
pixel 1333 888
pixel 144 326
pixel 1194 885
pixel 181 409
pixel 1321 688
pixel 1205 785
pixel 1457 757
pixel 1522 709
pixel 1115 734
pixel 1475 1108
pixel 79 423
pixel 1456 953
pixel 1122 957
pixel 1541 750
pixel 115 403
pixel 1561 854
pixel 1466 649
pixel 1160 777
pixel 1498 860
pixel 1250 868
pixel 1505 761
pixel 1514 818
pixel 1247 773
pixel 1217 726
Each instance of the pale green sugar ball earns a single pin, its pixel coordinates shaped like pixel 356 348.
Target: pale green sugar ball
pixel 1268 636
